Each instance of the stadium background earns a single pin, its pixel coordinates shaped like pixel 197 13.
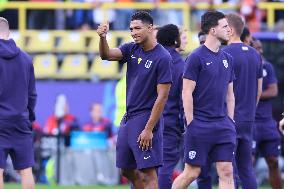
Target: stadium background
pixel 65 48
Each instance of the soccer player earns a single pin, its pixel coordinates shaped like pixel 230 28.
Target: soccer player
pixel 246 37
pixel 139 142
pixel 169 37
pixel 17 102
pixel 208 102
pixel 247 90
pixel 266 134
pixel 201 37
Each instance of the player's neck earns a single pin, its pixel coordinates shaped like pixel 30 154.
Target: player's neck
pixel 149 45
pixel 212 43
pixel 234 39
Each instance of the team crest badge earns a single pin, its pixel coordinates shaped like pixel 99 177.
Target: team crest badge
pixel 148 64
pixel 191 154
pixel 225 62
pixel 139 60
pixel 264 73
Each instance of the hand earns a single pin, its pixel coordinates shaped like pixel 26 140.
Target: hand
pixel 145 139
pixel 281 125
pixel 103 29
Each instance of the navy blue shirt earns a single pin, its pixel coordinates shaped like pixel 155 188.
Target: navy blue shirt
pixel 212 73
pixel 17 88
pixel 248 69
pixel 264 107
pixel 173 109
pixel 145 70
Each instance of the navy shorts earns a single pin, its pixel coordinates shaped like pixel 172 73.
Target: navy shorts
pixel 128 153
pixel 215 140
pixel 267 138
pixel 16 140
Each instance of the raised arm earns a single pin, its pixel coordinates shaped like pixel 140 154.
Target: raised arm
pixel 145 138
pixel 188 88
pixel 231 101
pixel 105 52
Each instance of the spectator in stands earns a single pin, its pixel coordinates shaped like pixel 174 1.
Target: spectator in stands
pixel 251 14
pixel 41 19
pixel 98 122
pixel 99 16
pixel 61 121
pixel 83 19
pixel 123 16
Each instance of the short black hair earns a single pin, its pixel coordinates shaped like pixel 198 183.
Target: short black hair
pixel 210 19
pixel 245 34
pixel 201 33
pixel 168 35
pixel 144 16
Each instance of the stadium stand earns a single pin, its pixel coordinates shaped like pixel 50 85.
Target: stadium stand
pixel 45 66
pixel 71 42
pixel 103 69
pixel 40 41
pixel 73 67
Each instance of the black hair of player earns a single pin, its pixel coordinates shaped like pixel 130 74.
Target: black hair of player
pixel 210 19
pixel 245 34
pixel 168 35
pixel 144 16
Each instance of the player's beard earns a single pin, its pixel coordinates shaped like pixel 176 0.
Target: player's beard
pixel 223 41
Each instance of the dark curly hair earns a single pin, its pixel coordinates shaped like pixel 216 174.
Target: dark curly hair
pixel 168 35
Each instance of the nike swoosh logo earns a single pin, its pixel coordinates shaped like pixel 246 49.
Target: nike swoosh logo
pixel 147 157
pixel 133 56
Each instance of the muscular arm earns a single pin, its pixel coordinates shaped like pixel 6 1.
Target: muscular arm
pixel 230 101
pixel 271 91
pixel 109 54
pixel 259 89
pixel 163 93
pixel 145 138
pixel 188 88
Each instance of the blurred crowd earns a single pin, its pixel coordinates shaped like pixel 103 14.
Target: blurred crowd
pixel 119 18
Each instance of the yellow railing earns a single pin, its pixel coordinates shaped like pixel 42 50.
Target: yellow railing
pixel 184 7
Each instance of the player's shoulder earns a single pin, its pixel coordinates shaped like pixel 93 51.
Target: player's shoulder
pixel 25 57
pixel 160 49
pixel 223 52
pixel 162 53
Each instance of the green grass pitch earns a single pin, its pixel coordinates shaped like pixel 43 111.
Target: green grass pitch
pixel 17 186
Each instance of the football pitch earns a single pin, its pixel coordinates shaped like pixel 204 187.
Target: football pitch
pixel 18 186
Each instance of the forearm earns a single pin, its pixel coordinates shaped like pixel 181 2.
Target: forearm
pixel 270 92
pixel 104 48
pixel 259 90
pixel 156 112
pixel 231 106
pixel 188 108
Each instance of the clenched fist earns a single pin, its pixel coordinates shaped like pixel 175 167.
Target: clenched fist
pixel 103 29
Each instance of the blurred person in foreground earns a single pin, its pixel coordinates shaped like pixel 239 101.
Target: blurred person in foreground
pixel 208 102
pixel 17 103
pixel 266 134
pixel 169 37
pixel 148 81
